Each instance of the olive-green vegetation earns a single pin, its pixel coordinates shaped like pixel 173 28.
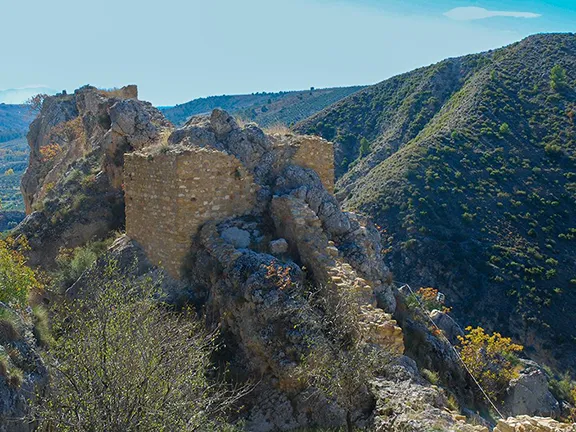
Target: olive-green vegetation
pixel 16 279
pixel 266 109
pixel 14 121
pixel 13 162
pixel 471 168
pixel 121 360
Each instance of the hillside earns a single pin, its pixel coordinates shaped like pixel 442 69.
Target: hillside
pixel 13 162
pixel 470 166
pixel 14 121
pixel 266 109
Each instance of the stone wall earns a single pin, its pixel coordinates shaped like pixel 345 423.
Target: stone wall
pixel 170 195
pixel 317 154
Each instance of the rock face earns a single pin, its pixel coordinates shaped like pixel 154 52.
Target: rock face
pixel 533 424
pixel 529 394
pixel 19 351
pixel 249 220
pixel 72 187
pixel 406 402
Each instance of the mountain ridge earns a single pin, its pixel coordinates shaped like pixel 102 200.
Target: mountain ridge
pixel 470 165
pixel 264 108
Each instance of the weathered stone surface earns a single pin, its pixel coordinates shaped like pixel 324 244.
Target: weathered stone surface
pixel 449 327
pixel 74 178
pixel 278 247
pixel 237 237
pixel 529 394
pixel 15 410
pixel 533 424
pixel 406 402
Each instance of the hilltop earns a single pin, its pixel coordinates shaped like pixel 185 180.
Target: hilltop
pixel 470 166
pixel 266 109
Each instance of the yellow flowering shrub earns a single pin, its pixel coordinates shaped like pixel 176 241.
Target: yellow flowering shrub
pixel 490 358
pixel 16 280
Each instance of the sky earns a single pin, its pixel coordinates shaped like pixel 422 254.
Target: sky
pixel 178 50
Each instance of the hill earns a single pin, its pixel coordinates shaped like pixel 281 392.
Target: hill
pixel 14 121
pixel 266 109
pixel 13 162
pixel 470 166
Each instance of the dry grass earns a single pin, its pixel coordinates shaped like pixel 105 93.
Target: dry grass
pixel 278 129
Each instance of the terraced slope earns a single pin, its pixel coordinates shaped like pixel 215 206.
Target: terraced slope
pixel 266 109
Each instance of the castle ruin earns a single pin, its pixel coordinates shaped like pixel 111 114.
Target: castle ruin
pixel 171 191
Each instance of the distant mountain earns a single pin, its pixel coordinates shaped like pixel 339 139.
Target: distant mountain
pixel 266 109
pixel 21 95
pixel 470 166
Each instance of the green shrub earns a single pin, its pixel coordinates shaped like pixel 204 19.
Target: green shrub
pixel 430 376
pixel 558 79
pixel 73 262
pixel 42 331
pixel 122 361
pixel 16 279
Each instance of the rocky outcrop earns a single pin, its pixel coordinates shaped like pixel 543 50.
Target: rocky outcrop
pixel 73 184
pixel 529 394
pixel 260 228
pixel 23 374
pixel 533 424
pixel 406 402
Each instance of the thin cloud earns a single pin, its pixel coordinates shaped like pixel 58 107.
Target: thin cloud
pixel 476 13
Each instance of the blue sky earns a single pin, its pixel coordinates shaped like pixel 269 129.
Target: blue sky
pixel 177 50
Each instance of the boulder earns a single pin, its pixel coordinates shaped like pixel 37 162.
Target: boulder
pixel 449 327
pixel 278 247
pixel 529 394
pixel 239 238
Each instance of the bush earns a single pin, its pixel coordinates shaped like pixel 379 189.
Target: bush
pixel 558 80
pixel 429 298
pixel 16 279
pixel 430 376
pixel 490 358
pixel 73 262
pixel 504 129
pixel 342 365
pixel 42 331
pixel 122 361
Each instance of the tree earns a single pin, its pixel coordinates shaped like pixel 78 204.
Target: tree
pixel 36 101
pixel 490 358
pixel 16 279
pixel 504 129
pixel 124 362
pixel 558 79
pixel 364 147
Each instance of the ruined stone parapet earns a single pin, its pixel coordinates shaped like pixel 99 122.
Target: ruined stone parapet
pixel 300 225
pixel 170 193
pixel 318 155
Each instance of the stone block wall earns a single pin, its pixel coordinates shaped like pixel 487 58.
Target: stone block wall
pixel 317 154
pixel 170 195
